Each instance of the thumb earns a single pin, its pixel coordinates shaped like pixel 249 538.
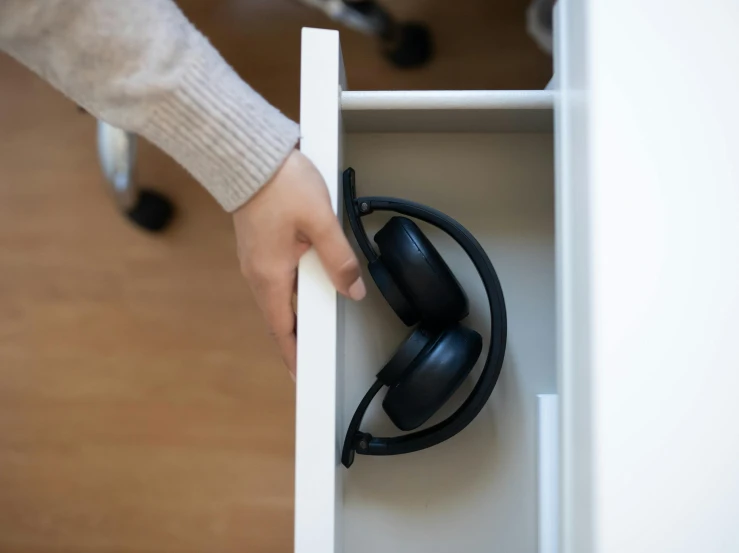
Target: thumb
pixel 326 235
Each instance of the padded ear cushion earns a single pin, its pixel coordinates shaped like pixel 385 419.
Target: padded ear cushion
pixel 433 376
pixel 420 273
pixel 394 296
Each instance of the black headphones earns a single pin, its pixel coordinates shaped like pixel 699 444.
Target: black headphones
pixel 439 354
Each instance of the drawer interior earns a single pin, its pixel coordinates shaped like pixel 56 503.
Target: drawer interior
pixel 477 491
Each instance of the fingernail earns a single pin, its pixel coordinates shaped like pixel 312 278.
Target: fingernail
pixel 357 290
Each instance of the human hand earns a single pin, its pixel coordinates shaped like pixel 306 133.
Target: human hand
pixel 291 213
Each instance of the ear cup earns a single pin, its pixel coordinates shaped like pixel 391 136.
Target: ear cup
pixel 392 293
pixel 405 356
pixel 432 377
pixel 420 273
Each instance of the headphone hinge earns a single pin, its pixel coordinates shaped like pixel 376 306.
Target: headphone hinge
pixel 362 206
pixel 361 441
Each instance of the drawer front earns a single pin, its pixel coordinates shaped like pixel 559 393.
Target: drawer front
pixel 319 391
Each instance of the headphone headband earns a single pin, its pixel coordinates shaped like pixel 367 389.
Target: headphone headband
pixel 365 444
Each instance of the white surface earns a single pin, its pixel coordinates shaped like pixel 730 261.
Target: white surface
pixel 651 95
pixel 357 100
pixel 318 395
pixel 548 410
pixel 448 111
pixel 574 295
pixel 477 491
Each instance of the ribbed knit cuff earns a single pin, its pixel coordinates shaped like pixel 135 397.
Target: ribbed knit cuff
pixel 221 130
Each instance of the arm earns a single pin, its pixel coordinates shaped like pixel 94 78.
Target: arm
pixel 140 65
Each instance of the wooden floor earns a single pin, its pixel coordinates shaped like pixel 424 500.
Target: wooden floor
pixel 142 408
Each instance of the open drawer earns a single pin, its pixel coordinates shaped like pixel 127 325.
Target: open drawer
pixel 487 160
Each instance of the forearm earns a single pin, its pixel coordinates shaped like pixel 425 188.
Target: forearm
pixel 141 66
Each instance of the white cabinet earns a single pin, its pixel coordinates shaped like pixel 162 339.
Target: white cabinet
pixel 608 206
pixel 487 160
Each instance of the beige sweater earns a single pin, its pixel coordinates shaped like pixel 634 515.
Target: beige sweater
pixel 141 66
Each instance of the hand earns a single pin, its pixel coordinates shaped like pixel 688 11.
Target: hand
pixel 275 228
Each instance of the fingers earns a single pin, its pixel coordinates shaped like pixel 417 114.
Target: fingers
pixel 275 297
pixel 289 353
pixel 325 233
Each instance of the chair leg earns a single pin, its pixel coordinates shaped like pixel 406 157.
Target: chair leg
pixel 539 23
pixel 117 155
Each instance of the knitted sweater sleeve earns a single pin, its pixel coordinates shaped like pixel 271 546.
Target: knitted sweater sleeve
pixel 140 65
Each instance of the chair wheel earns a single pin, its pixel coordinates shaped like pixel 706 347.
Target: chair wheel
pixel 152 211
pixel 411 45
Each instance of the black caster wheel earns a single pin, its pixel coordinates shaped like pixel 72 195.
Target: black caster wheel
pixel 152 211
pixel 410 45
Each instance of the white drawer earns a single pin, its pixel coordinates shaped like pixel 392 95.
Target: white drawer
pixel 486 159
pixel 629 291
